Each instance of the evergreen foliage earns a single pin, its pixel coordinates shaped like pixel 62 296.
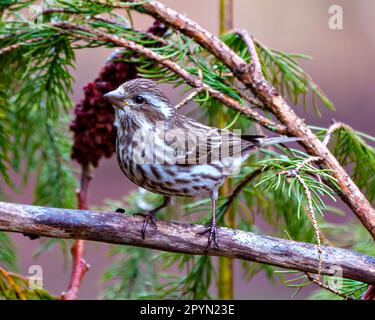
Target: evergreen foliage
pixel 37 58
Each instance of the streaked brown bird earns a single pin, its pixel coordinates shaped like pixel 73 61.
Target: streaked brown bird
pixel 172 155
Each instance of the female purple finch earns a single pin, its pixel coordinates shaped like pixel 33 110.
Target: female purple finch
pixel 173 155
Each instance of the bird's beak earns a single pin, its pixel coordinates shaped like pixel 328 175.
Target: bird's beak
pixel 114 97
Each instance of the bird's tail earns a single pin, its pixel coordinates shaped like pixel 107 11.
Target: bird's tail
pixel 282 139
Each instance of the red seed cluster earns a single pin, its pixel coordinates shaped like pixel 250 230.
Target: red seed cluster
pixel 94 134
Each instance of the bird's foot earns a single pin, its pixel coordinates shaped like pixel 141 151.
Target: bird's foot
pixel 148 217
pixel 120 210
pixel 212 236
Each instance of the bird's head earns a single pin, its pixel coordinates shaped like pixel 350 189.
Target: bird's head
pixel 141 97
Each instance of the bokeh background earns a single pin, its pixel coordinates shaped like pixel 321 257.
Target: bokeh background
pixel 343 66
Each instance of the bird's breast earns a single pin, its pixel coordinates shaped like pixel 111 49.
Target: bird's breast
pixel 170 179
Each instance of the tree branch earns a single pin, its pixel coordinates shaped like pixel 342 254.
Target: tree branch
pixel 118 228
pixel 189 78
pixel 253 79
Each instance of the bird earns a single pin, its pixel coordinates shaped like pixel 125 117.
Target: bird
pixel 172 155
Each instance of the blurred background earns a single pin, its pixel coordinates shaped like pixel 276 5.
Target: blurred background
pixel 342 66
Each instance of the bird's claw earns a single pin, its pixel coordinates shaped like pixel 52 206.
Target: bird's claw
pixel 212 230
pixel 148 217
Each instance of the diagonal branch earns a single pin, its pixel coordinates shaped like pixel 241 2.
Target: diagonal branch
pixel 253 79
pixel 118 228
pixel 189 78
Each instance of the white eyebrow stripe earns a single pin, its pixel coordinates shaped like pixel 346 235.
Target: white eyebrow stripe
pixel 157 102
pixel 151 98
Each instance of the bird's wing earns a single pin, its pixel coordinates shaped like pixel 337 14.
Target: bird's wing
pixel 190 142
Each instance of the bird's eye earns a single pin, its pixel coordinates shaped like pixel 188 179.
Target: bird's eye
pixel 139 99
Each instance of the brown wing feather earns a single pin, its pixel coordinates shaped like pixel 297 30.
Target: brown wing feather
pixel 194 142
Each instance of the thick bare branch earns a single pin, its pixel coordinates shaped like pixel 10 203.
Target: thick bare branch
pixel 252 78
pixel 112 227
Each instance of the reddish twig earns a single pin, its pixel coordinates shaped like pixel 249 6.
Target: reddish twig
pixel 18 45
pixel 369 293
pixel 80 266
